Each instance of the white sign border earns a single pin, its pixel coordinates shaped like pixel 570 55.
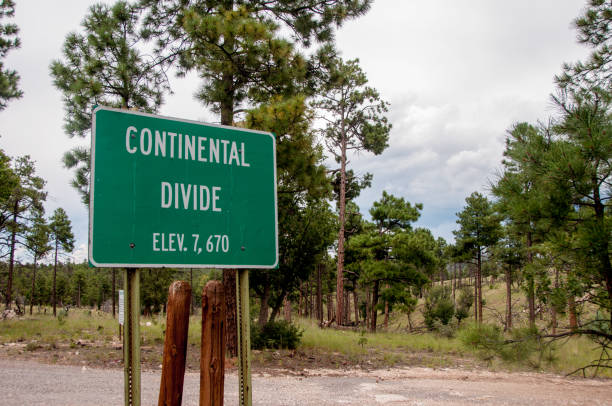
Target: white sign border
pixel 199 266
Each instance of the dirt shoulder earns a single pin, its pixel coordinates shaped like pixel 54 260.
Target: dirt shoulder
pixel 105 354
pixel 31 383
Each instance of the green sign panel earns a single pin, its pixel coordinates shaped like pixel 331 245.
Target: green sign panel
pixel 167 192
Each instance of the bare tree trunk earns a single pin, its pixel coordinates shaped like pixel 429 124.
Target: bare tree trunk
pixel 454 282
pixel 573 319
pixel 368 314
pixel 530 284
pixel 508 298
pixel 54 279
pixel 553 311
pixel 341 215
pixel 263 309
pixel 33 285
pixel 192 291
pixel 300 301
pixel 374 303
pixel 479 282
pixel 386 321
pixel 475 296
pixel 231 328
pixel 356 305
pixel 9 284
pixel 114 292
pixel 287 309
pixel 309 300
pixel 319 295
pixel 347 308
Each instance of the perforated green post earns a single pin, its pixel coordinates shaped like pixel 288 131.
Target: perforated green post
pixel 131 337
pixel 244 338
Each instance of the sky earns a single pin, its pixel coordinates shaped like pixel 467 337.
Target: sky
pixel 457 75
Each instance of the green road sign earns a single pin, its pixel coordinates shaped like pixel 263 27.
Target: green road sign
pixel 167 192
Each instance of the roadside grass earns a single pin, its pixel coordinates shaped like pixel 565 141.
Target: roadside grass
pixel 356 342
pixel 76 325
pixel 383 349
pixel 319 347
pixel 577 352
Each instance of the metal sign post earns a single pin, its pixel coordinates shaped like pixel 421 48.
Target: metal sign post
pixel 245 390
pixel 131 337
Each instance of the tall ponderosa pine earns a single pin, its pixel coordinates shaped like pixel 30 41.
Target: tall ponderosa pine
pixel 9 79
pixel 479 230
pixel 522 194
pixel 37 243
pixel 25 198
pixel 305 220
pixel 510 254
pixel 63 240
pixel 237 49
pixel 355 121
pixel 581 163
pixel 104 65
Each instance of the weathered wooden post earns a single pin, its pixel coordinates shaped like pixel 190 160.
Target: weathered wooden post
pixel 212 361
pixel 175 344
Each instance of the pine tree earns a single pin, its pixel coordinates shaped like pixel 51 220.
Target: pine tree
pixel 305 220
pixel 104 65
pixel 9 79
pixel 594 30
pixel 580 163
pixel 236 48
pixel 370 251
pixel 355 121
pixel 37 243
pixel 479 230
pixel 522 192
pixel 63 240
pixel 25 198
pixel 8 182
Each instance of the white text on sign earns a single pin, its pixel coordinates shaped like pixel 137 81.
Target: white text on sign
pixel 175 242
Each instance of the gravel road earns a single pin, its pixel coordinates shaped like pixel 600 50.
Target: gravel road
pixel 29 383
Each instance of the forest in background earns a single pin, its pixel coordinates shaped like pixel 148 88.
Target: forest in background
pixel 543 225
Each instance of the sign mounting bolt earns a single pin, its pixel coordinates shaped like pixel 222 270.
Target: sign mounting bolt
pixel 132 245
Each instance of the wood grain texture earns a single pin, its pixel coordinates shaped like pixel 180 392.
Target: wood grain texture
pixel 212 361
pixel 175 344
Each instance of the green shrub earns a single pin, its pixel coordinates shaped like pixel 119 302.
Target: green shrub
pixel 363 340
pixel 61 317
pixel 464 303
pixel 438 307
pixel 446 330
pixel 487 339
pixel 524 342
pixel 276 334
